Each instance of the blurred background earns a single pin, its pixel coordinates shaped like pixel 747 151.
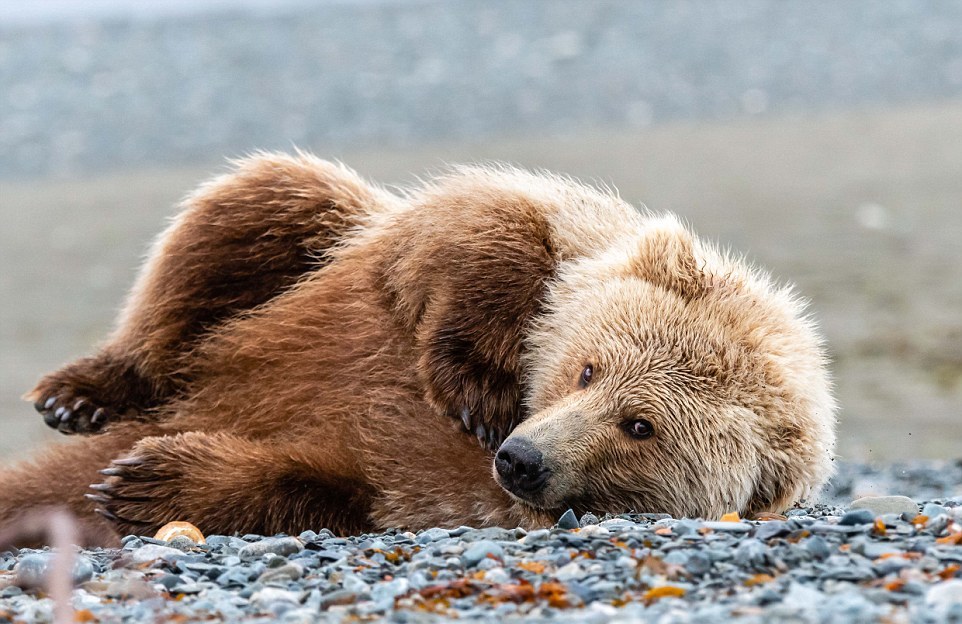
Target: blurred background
pixel 823 139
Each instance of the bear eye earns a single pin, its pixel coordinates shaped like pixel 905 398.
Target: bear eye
pixel 586 376
pixel 640 429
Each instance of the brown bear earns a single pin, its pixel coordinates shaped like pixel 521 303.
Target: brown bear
pixel 304 349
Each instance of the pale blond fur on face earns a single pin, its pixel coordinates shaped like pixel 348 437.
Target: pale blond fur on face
pixel 720 360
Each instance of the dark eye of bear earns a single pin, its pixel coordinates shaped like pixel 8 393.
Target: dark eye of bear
pixel 586 375
pixel 640 429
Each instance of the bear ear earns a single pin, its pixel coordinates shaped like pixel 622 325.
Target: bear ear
pixel 665 257
pixel 466 280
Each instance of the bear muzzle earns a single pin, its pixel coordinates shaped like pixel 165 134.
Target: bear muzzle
pixel 521 468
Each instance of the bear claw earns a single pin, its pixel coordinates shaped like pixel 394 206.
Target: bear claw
pixel 69 414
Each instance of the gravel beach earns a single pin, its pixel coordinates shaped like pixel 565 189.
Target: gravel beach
pixel 885 558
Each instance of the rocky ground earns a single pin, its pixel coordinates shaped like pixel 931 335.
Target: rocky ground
pixel 891 558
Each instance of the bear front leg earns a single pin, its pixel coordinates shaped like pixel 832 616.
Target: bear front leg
pixel 225 484
pixel 85 395
pixel 239 241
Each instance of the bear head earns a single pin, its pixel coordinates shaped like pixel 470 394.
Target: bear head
pixel 666 376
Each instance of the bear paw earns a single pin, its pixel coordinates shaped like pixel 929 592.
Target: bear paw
pixel 138 495
pixel 70 411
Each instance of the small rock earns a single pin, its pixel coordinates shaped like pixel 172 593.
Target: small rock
pixel 879 505
pixel 33 569
pixel 135 588
pixel 431 535
pixel 187 588
pixel 154 552
pixel 281 546
pixel 570 572
pixel 568 520
pixel 482 550
pixel 588 519
pixel 270 595
pixel 286 572
pixel 817 547
pixel 342 597
pixel 536 536
pixel 728 527
pixel 594 530
pixel 856 517
pixel 934 511
pixel 686 527
pixel 182 543
pixel 356 584
pixel 698 564
pixel 945 594
pixel 497 575
pixel 768 530
pixel 384 594
pixel 751 553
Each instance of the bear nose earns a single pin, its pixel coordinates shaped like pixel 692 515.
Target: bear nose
pixel 521 466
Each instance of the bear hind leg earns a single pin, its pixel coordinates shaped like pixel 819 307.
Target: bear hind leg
pixel 226 484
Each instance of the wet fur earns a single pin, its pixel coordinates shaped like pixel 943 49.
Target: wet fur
pixel 305 349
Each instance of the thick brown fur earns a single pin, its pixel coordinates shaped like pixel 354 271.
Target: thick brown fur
pixel 305 350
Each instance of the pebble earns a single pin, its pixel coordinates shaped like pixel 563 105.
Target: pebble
pixel 880 505
pixel 933 510
pixel 270 595
pixel 856 517
pixel 153 552
pixel 480 551
pixel 282 546
pixel 33 569
pixel 432 535
pixel 286 572
pixel 568 520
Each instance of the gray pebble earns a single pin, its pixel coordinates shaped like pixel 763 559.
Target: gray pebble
pixel 281 546
pixel 857 516
pixel 568 520
pixel 480 551
pixel 33 569
pixel 751 553
pixel 817 547
pixel 932 510
pixel 728 527
pixel 270 595
pixel 774 528
pixel 879 505
pixel 283 573
pixel 431 535
pixel 588 519
pixel 153 552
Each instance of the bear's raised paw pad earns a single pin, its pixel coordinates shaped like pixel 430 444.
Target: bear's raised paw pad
pixel 70 413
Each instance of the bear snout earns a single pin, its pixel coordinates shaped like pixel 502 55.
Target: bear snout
pixel 521 468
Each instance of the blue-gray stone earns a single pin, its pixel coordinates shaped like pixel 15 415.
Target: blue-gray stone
pixel 933 510
pixel 817 547
pixel 33 569
pixel 281 546
pixel 568 520
pixel 282 574
pixel 771 529
pixel 479 551
pixel 751 553
pixel 856 517
pixel 880 505
pixel 431 535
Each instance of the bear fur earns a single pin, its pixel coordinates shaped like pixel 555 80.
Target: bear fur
pixel 304 349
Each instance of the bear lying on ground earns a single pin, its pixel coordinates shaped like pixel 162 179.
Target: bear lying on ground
pixel 304 349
